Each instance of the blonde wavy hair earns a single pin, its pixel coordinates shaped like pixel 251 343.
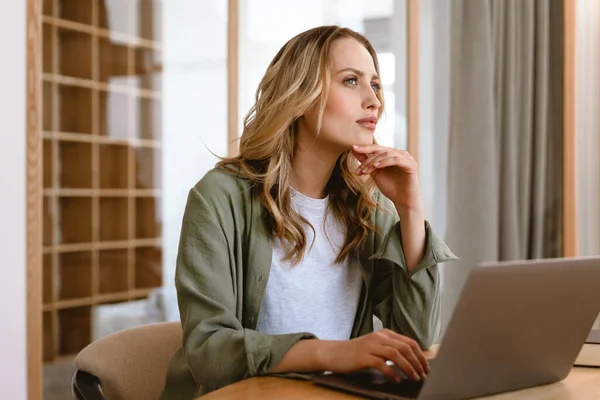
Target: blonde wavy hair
pixel 298 80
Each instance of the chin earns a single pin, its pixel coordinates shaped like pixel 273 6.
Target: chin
pixel 345 142
pixel 365 139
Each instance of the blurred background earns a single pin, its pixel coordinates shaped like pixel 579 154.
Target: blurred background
pixel 137 96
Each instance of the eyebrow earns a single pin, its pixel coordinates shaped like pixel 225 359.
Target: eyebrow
pixel 358 72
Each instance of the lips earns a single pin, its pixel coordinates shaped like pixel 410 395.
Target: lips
pixel 368 122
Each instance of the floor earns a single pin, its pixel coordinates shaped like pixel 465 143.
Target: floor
pixel 57 380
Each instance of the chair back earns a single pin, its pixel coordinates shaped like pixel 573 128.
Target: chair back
pixel 131 364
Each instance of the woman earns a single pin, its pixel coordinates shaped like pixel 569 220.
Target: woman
pixel 289 249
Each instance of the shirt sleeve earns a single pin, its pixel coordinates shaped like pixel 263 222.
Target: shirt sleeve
pixel 217 349
pixel 407 303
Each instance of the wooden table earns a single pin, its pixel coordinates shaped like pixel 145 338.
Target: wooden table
pixel 580 384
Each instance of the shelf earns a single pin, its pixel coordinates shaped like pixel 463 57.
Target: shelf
pixel 73 98
pixel 48 106
pixel 114 62
pixel 148 20
pixel 148 218
pixel 47 48
pixel 48 164
pixel 48 336
pixel 116 15
pixel 147 122
pixel 113 273
pixel 48 212
pixel 125 244
pixel 75 275
pixel 74 54
pixel 147 168
pixel 48 277
pixel 148 70
pixel 72 303
pixel 148 267
pixel 98 299
pixel 114 113
pixel 76 137
pixel 76 10
pixel 75 165
pixel 130 40
pixel 102 192
pixel 47 7
pixel 74 329
pixel 101 77
pixel 113 219
pixel 75 220
pixel 147 61
pixel 113 166
pixel 140 293
pixel 101 86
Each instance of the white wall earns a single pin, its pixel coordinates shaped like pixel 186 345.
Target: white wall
pixel 13 356
pixel 194 106
pixel 265 26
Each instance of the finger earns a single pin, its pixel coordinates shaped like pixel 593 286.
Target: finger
pixel 413 345
pixel 385 162
pixel 360 156
pixel 368 162
pixel 418 352
pixel 380 364
pixel 364 157
pixel 395 356
pixel 410 355
pixel 368 148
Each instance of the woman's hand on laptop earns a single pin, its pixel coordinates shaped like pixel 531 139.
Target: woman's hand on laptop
pixel 373 350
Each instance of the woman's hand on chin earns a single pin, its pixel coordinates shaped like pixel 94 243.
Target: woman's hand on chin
pixel 394 172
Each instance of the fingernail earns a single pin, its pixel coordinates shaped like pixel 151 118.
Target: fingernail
pixel 356 146
pixel 376 164
pixel 417 377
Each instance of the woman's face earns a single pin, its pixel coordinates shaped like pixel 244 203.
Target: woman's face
pixel 352 108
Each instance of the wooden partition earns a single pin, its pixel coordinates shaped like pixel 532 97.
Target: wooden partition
pixel 102 150
pixel 412 78
pixel 570 129
pixel 35 225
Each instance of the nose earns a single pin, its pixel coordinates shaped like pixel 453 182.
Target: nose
pixel 370 100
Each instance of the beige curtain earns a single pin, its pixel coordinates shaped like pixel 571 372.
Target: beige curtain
pixel 505 148
pixel 588 129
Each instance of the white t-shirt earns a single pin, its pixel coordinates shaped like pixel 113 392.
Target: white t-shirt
pixel 316 295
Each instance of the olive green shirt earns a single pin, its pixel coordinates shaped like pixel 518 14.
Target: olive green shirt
pixel 222 269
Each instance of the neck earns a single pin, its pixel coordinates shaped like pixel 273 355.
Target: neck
pixel 312 166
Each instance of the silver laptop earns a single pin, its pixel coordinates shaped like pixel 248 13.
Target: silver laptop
pixel 516 325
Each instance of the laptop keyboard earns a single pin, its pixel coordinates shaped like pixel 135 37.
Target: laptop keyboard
pixel 374 380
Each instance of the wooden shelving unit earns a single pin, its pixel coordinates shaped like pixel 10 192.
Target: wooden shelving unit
pixel 102 152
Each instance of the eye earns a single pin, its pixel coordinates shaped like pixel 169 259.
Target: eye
pixel 351 81
pixel 376 87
